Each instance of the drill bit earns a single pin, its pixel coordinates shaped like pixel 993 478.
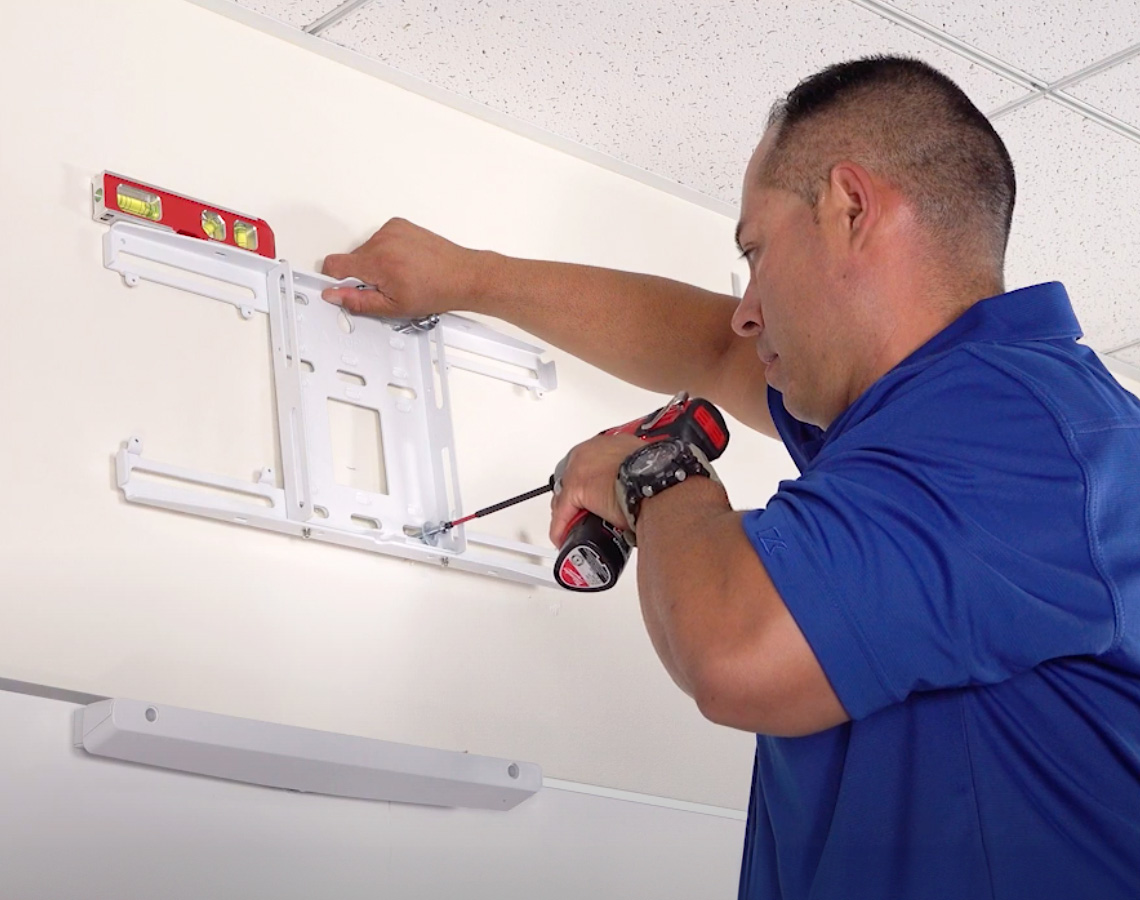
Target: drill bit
pixel 432 530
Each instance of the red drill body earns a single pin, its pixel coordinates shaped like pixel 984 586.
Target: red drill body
pixel 594 552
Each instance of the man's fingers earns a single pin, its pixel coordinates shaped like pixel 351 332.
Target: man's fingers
pixel 560 518
pixel 356 301
pixel 587 480
pixel 338 265
pixel 562 508
pixel 349 298
pixel 334 296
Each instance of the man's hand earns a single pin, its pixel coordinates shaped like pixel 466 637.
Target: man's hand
pixel 415 271
pixel 588 482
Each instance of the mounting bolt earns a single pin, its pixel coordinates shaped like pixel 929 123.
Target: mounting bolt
pixel 306 532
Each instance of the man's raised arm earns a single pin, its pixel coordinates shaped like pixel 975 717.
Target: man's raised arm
pixel 659 334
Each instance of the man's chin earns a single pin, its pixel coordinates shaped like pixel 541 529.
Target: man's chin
pixel 772 375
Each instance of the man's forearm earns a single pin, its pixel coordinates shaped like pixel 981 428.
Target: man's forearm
pixel 659 334
pixel 682 536
pixel 729 640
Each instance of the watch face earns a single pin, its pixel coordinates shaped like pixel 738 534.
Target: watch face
pixel 652 459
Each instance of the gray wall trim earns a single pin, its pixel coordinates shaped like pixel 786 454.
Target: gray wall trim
pixel 48 692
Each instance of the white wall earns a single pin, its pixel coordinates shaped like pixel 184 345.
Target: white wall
pixel 73 825
pixel 110 598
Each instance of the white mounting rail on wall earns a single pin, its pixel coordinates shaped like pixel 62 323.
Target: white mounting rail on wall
pixel 299 759
pixel 397 368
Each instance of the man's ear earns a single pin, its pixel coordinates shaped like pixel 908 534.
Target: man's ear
pixel 854 201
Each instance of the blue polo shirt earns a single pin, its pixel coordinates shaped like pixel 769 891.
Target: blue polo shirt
pixel 962 553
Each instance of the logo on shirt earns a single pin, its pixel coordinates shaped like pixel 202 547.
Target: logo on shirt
pixel 771 541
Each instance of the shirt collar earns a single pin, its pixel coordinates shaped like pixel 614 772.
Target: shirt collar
pixel 1038 313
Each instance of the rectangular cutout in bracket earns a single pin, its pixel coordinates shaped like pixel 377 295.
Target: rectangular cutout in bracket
pixel 184 279
pixel 357 447
pixel 208 490
pixel 437 383
pixel 447 470
pixel 462 358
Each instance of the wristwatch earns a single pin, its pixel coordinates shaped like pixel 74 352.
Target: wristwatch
pixel 657 466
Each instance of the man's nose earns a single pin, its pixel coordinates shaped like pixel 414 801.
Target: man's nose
pixel 747 320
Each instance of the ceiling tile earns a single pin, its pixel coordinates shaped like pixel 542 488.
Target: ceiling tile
pixel 1076 219
pixel 297 13
pixel 1046 38
pixel 1114 91
pixel 681 88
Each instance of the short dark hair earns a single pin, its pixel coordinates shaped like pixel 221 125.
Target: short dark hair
pixel 913 126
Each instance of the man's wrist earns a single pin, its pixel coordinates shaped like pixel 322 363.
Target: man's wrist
pixel 654 468
pixel 483 285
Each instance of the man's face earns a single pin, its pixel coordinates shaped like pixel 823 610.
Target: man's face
pixel 791 304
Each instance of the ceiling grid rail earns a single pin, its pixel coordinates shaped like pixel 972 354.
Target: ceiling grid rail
pixel 1127 345
pixel 1038 88
pixel 329 19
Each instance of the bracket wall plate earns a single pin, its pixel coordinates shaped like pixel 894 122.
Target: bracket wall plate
pixel 395 367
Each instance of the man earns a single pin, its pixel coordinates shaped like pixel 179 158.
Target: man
pixel 935 630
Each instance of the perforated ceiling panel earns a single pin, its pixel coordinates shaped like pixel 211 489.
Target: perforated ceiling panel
pixel 678 88
pixel 681 89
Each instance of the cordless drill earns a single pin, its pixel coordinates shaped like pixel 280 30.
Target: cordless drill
pixel 594 552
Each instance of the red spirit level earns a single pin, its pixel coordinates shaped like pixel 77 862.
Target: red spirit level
pixel 122 199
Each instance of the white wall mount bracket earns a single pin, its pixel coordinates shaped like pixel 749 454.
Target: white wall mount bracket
pixel 299 759
pixel 395 367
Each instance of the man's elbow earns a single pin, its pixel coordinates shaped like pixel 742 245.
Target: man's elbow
pixel 726 702
pixel 756 707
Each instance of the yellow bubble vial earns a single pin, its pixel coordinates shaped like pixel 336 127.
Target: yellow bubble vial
pixel 214 225
pixel 137 202
pixel 245 235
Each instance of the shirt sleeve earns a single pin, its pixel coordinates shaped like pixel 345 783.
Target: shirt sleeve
pixel 941 542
